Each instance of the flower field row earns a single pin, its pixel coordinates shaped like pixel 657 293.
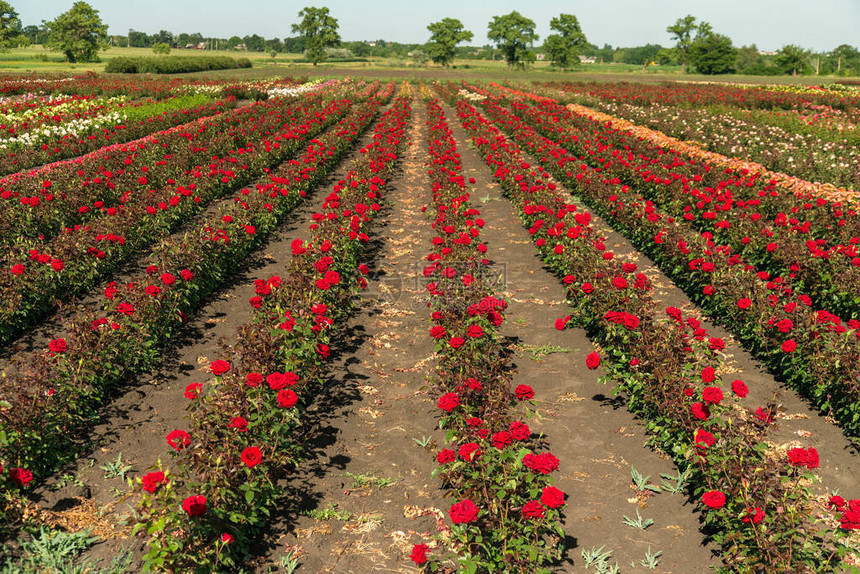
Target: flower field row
pixel 811 348
pixel 62 134
pixel 61 389
pixel 755 499
pixel 507 513
pixel 204 512
pixel 72 262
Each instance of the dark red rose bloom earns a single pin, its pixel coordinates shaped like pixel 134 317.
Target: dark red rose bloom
pixel 448 402
pixel 323 351
pixel 789 346
pixel 239 423
pixel 543 463
pixel 287 398
pixel 194 505
pixel 524 392
pixel 754 515
pixel 457 342
pixel 463 512
pixel 501 439
pixel 475 331
pixel 57 345
pixel 469 452
pixel 592 361
pixel 533 509
pixel 151 481
pixel 419 554
pixel 178 439
pixel 803 457
pixel 519 430
pixel 739 388
pixel 253 379
pixel 445 456
pixel 219 367
pixel 714 499
pixel 20 476
pixel 700 411
pixel 551 497
pixel 438 331
pixel 744 303
pixel 168 279
pixel 192 391
pixel 252 456
pixel 712 395
pixel 561 322
pixel 836 502
pixel 708 375
pixel 703 438
pixel 764 415
pixel 278 381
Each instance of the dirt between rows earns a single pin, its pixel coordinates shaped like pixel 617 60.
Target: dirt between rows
pixel 365 493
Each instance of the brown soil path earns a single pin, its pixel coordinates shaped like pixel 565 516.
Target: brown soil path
pixel 594 436
pixel 377 408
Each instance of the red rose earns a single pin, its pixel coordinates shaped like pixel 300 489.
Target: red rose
pixel 18 269
pixel 125 308
pixel 252 456
pixel 700 411
pixel 543 463
pixel 519 430
pixel 592 361
pixel 764 415
pixel 463 512
pixel 227 538
pixel 703 438
pixel 253 379
pixel 194 505
pixel 754 515
pixel 457 342
pixel 438 331
pixel 712 395
pixel 744 303
pixel 448 402
pixel 708 375
pixel 323 350
pixel 151 481
pixel 739 388
pixel 561 323
pixel 57 265
pixel 474 331
pixel 551 497
pixel 524 392
pixel 178 439
pixel 192 391
pixel 803 457
pixel 501 439
pixel 587 288
pixel 287 398
pixel 239 423
pixel 20 476
pixel 278 381
pixel 250 229
pixel 714 499
pixel 469 452
pixel 419 554
pixel 219 367
pixel 168 279
pixel 186 274
pixel 789 346
pixel 619 282
pixel 445 456
pixel 532 509
pixel 57 345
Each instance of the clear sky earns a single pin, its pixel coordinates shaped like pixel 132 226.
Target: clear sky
pixel 770 24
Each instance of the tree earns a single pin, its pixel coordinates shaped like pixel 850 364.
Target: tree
pixel 713 54
pixel 444 37
pixel 682 32
pixel 161 48
pixel 792 59
pixel 563 48
pixel 78 33
pixel 319 31
pixel 11 32
pixel 513 34
pixel 748 60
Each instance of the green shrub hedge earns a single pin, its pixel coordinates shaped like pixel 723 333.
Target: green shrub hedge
pixel 174 64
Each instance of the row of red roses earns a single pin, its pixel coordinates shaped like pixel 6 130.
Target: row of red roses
pixel 145 309
pixel 242 422
pixel 817 352
pixel 463 302
pixel 531 193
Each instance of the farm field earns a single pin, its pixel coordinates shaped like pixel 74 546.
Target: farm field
pixel 444 323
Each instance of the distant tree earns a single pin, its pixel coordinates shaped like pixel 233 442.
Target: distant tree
pixel 713 54
pixel 563 48
pixel 11 32
pixel 161 48
pixel 514 35
pixel 682 32
pixel 274 45
pixel 444 37
pixel 419 58
pixel 319 31
pixel 792 59
pixel 138 39
pixel 748 60
pixel 232 42
pixel 78 33
pixel 163 37
pixel 844 60
pixel 254 43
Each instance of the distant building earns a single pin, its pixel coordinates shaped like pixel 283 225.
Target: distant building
pixel 764 53
pixel 587 60
pixel 540 57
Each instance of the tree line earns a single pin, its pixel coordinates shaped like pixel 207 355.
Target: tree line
pixel 79 34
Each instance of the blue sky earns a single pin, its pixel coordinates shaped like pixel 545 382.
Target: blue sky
pixel 770 24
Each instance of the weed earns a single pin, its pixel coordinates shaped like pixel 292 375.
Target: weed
pixel 638 522
pixel 641 481
pixel 116 469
